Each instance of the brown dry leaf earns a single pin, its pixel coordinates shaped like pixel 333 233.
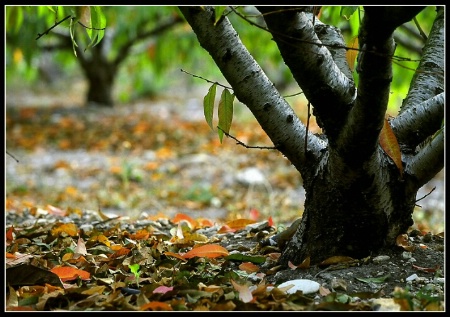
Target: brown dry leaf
pixel 336 260
pixel 389 143
pixel 81 247
pixel 403 241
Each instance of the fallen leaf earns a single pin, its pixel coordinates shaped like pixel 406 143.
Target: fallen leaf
pixel 249 267
pixel 157 306
pixel 68 273
pixel 244 292
pixel 336 260
pixel 239 223
pixel 207 251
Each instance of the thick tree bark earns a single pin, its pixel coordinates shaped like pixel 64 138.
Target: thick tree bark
pixel 357 201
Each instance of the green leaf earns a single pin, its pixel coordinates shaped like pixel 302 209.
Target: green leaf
pixel 134 268
pixel 225 112
pixel 72 36
pixel 208 105
pixel 219 12
pixel 98 23
pixel 347 11
pixel 376 280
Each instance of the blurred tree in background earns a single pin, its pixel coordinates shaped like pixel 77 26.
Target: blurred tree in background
pixel 143 46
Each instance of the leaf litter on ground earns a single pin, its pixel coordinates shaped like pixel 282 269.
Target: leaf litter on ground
pixel 96 255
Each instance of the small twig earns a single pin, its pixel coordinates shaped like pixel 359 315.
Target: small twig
pixel 207 80
pixel 245 145
pixel 425 196
pixel 422 33
pixel 12 156
pixel 293 95
pixel 56 24
pixel 102 29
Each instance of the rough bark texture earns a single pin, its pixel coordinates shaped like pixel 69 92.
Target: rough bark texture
pixel 357 202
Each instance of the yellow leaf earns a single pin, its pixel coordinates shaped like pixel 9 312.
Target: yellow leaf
pixel 239 223
pixel 352 52
pixel 389 143
pixel 68 228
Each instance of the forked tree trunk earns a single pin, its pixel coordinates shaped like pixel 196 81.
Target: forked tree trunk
pixel 357 200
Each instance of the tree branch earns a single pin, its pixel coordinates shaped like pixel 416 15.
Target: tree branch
pixel 325 85
pixel 418 122
pixel 365 120
pixel 429 78
pixel 428 161
pixel 143 34
pixel 252 87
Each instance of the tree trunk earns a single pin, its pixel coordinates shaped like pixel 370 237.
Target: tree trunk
pixel 100 74
pixel 357 199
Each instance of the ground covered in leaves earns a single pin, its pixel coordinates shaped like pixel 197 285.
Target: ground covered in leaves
pixel 141 208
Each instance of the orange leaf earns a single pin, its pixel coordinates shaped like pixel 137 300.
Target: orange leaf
pixel 140 235
pixel 249 267
pixel 179 217
pixel 176 255
pixel 207 251
pixel 119 253
pixel 225 229
pixel 389 143
pixel 205 222
pixel 67 273
pixel 156 306
pixel 239 223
